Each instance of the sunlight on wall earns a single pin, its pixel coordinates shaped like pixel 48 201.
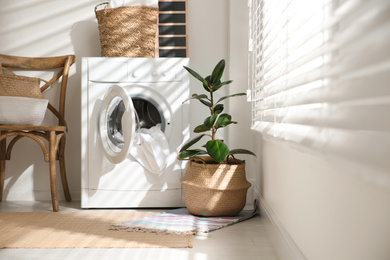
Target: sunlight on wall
pixel 48 28
pixel 25 26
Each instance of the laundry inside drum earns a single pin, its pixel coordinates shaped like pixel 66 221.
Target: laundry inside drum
pixel 147 116
pixel 147 113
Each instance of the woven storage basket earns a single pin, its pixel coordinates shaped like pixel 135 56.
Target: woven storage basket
pixel 19 86
pixel 215 189
pixel 21 99
pixel 22 110
pixel 127 31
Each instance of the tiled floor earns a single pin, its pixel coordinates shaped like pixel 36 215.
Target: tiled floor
pixel 246 240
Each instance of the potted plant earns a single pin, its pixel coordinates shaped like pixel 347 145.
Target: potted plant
pixel 214 183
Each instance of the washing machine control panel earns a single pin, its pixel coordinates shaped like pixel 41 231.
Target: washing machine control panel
pixel 136 70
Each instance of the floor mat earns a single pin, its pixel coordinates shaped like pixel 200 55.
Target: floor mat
pixel 80 230
pixel 179 221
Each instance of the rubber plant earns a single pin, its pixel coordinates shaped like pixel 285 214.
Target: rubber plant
pixel 215 148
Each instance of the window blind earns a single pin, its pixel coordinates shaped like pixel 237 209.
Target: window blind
pixel 320 78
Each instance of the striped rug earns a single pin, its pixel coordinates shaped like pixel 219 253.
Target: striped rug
pixel 179 221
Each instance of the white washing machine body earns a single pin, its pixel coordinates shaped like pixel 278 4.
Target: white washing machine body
pixel 120 95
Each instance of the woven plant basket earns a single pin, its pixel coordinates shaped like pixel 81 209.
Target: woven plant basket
pixel 215 189
pixel 127 31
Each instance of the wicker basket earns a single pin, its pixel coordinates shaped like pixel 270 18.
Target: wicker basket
pixel 127 31
pixel 215 189
pixel 22 110
pixel 21 99
pixel 19 86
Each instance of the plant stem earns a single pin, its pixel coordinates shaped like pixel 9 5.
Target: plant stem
pixel 212 113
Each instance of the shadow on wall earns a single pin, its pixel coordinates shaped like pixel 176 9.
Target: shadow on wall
pixel 70 29
pixel 85 40
pixel 84 37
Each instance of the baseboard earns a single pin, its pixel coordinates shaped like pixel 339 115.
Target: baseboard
pixel 44 195
pixel 283 243
pixel 249 197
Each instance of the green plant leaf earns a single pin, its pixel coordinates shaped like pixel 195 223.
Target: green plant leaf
pixel 209 122
pixel 241 151
pixel 207 86
pixel 203 98
pixel 217 72
pixel 196 75
pixel 224 120
pixel 218 86
pixel 217 150
pixel 191 153
pixel 218 109
pixel 199 96
pixel 205 102
pixel 196 96
pixel 201 128
pixel 234 95
pixel 191 142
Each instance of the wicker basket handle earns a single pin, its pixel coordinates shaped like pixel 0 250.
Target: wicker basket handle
pixel 4 70
pixel 105 7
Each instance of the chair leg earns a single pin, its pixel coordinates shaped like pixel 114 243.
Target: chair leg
pixel 52 161
pixel 64 180
pixel 3 150
pixel 2 176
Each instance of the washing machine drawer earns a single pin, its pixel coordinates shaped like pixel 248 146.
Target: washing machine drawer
pixel 130 70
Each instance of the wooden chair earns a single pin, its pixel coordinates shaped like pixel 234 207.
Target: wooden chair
pixel 54 134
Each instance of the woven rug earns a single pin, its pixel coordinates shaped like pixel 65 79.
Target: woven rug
pixel 80 230
pixel 179 221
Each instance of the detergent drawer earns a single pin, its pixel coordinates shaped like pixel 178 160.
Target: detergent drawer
pixel 130 70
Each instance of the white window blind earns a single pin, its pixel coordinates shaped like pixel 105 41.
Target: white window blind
pixel 320 78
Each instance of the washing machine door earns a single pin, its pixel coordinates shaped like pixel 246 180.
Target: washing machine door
pixel 117 124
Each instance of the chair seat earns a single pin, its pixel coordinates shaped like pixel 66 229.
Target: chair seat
pixel 32 128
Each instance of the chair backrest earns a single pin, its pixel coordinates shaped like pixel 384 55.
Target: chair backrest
pixel 61 63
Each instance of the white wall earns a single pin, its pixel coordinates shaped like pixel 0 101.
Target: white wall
pixel 240 135
pixel 326 210
pixel 48 28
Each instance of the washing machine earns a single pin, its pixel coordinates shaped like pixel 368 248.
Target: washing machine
pixel 120 96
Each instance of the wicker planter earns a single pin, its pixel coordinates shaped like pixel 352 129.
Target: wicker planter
pixel 215 189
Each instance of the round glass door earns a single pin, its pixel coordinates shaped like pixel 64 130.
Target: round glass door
pixel 125 109
pixel 117 124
